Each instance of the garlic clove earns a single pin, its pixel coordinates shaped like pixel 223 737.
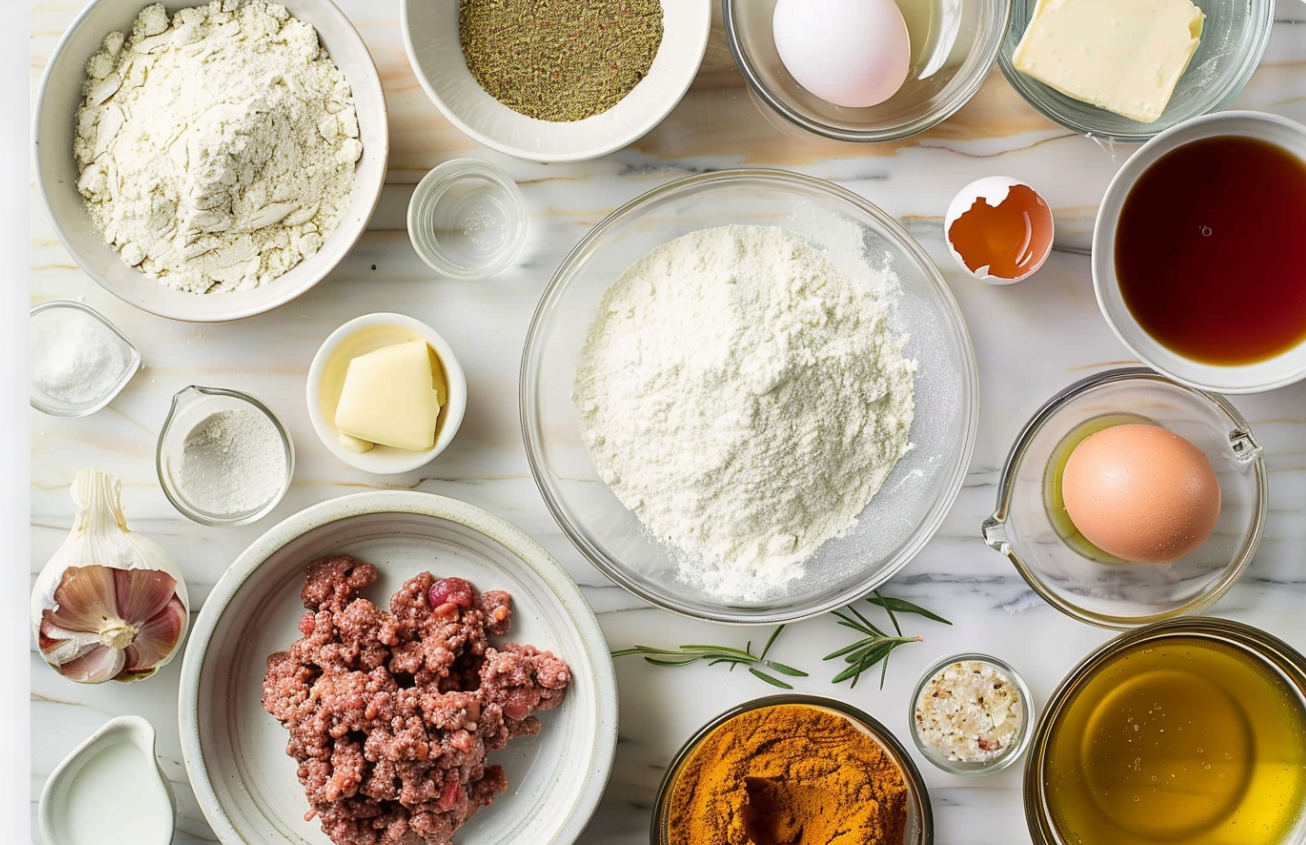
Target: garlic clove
pixel 100 663
pixel 142 594
pixel 155 641
pixel 83 599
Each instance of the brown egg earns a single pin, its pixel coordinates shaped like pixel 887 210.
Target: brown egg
pixel 1141 493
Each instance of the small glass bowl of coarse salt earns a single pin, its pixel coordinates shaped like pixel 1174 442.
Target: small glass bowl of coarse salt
pixel 971 714
pixel 80 360
pixel 223 457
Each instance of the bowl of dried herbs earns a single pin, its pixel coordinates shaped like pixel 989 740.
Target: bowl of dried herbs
pixel 555 80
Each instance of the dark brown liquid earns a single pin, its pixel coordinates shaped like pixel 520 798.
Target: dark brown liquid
pixel 1211 250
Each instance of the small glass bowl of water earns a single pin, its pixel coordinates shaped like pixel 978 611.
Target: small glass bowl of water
pixel 467 219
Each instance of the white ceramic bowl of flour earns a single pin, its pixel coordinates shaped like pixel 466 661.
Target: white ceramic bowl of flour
pixel 866 245
pixel 57 174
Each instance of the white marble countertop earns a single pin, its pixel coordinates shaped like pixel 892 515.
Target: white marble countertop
pixel 1030 339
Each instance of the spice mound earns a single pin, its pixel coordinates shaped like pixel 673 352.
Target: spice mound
pixel 216 148
pixel 788 774
pixel 559 60
pixel 970 711
pixel 391 713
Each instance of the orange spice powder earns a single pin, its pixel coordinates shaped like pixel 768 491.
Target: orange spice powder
pixel 788 774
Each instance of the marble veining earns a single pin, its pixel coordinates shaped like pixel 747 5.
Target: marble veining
pixel 1030 340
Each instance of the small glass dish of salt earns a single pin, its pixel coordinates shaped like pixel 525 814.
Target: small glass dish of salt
pixel 80 360
pixel 223 457
pixel 971 715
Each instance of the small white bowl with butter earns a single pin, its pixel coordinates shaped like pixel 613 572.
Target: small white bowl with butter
pixel 386 393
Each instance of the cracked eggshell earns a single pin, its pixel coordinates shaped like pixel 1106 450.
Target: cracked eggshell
pixel 1016 226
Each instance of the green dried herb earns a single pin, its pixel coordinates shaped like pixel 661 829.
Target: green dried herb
pixel 714 654
pixel 559 60
pixel 876 645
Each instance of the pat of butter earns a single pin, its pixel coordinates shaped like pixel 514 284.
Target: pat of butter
pixel 1121 55
pixel 391 397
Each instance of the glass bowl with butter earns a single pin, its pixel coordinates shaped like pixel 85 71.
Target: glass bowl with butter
pixel 1118 46
pixel 386 393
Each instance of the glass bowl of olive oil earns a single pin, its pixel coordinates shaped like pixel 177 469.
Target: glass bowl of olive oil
pixel 1186 732
pixel 1031 527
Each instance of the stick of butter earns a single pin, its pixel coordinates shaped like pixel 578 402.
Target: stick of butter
pixel 1121 55
pixel 392 396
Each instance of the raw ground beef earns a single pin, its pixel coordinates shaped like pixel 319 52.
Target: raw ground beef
pixel 391 713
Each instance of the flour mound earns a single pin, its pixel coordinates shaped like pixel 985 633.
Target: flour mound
pixel 216 148
pixel 746 400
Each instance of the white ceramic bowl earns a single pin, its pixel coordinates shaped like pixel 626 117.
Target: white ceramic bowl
pixel 430 29
pixel 1283 369
pixel 235 752
pixel 78 802
pixel 326 378
pixel 56 170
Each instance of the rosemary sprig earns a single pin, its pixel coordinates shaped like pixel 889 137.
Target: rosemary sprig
pixel 714 654
pixel 876 645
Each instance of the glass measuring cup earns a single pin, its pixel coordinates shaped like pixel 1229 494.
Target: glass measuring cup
pixel 191 408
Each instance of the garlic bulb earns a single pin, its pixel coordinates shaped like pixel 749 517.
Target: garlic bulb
pixel 110 604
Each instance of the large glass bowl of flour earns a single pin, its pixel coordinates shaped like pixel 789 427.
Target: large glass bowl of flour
pixel 814 218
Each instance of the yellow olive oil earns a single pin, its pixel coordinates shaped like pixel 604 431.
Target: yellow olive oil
pixel 1189 741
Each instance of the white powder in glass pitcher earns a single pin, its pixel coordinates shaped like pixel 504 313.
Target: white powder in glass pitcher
pixel 745 399
pixel 232 462
pixel 216 148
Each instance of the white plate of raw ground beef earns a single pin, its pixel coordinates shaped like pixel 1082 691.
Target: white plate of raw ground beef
pixel 235 752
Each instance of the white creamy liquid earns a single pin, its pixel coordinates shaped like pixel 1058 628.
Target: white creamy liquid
pixel 118 799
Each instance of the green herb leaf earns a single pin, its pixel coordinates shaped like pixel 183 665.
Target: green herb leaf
pixel 875 645
pixel 714 654
pixel 903 606
pixel 775 682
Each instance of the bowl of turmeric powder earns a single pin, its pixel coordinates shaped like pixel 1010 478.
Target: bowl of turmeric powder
pixel 792 768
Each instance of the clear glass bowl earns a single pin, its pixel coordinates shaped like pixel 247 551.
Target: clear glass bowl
pixel 1013 751
pixel 467 219
pixel 916 495
pixel 53 405
pixel 1082 581
pixel 1234 36
pixel 1050 784
pixel 920 815
pixel 191 406
pixel 954 46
